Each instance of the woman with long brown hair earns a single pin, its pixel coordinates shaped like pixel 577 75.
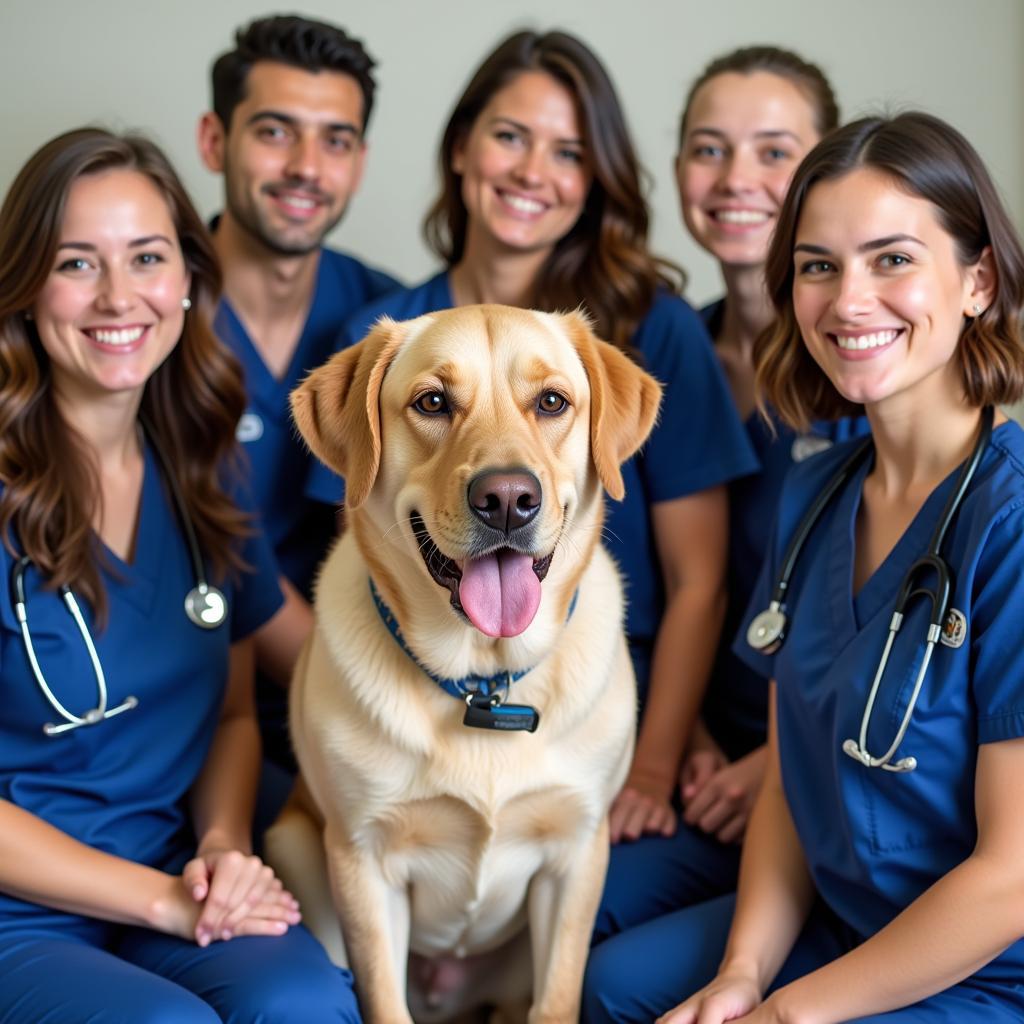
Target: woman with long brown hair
pixel 128 745
pixel 541 206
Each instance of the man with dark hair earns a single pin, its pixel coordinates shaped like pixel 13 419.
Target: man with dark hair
pixel 290 107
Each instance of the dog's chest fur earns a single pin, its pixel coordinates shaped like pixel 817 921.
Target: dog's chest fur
pixel 467 867
pixel 462 819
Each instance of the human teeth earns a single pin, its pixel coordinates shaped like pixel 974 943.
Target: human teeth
pixel 302 204
pixel 120 337
pixel 523 204
pixel 864 341
pixel 741 216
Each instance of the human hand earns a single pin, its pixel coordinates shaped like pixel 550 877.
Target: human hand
pixel 703 758
pixel 726 998
pixel 238 895
pixel 722 804
pixel 643 806
pixel 698 770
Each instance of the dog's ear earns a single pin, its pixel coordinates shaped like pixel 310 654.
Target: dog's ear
pixel 624 402
pixel 337 408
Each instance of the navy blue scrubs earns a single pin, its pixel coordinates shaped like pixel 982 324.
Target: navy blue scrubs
pixel 873 840
pixel 122 786
pixel 736 705
pixel 300 527
pixel 656 875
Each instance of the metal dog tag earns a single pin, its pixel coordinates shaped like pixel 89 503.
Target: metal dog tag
pixel 482 713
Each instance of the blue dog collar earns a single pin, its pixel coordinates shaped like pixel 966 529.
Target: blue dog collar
pixel 496 686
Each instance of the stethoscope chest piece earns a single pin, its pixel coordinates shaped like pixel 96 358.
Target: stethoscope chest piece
pixel 206 606
pixel 767 630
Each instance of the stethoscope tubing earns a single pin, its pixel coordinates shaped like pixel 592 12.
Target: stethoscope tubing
pixel 71 720
pixel 767 631
pixel 205 606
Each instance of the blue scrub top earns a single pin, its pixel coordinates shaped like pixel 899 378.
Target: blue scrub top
pixel 121 785
pixel 735 707
pixel 299 527
pixel 875 840
pixel 698 442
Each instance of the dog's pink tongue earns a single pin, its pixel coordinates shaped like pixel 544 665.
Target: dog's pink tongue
pixel 500 592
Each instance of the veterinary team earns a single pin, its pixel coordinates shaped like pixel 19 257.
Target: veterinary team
pixel 881 881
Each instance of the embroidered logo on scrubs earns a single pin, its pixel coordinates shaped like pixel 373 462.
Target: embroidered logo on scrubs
pixel 954 632
pixel 250 428
pixel 807 445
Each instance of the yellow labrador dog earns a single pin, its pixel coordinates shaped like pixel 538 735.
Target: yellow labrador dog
pixel 464 712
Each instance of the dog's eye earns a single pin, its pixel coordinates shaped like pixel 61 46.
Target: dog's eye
pixel 433 403
pixel 551 403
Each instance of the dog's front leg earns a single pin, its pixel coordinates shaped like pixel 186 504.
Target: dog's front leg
pixel 375 920
pixel 562 908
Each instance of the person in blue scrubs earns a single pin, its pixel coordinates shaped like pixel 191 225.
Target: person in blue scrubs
pixel 541 207
pixel 867 893
pixel 291 103
pixel 128 889
pixel 749 118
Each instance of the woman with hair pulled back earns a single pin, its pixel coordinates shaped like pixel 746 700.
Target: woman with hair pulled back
pixel 749 118
pixel 541 207
pixel 128 746
pixel 881 877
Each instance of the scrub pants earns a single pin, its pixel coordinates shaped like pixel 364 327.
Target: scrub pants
pixel 643 973
pixel 102 974
pixel 656 875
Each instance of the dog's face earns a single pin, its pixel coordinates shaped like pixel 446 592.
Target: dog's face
pixel 479 439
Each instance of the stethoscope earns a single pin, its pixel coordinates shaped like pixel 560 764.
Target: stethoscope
pixel 767 631
pixel 205 606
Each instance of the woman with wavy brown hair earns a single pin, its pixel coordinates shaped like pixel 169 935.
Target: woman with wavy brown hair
pixel 128 745
pixel 541 206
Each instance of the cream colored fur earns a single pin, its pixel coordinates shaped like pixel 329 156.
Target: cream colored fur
pixel 438 840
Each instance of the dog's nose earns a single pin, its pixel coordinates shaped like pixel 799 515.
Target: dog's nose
pixel 505 499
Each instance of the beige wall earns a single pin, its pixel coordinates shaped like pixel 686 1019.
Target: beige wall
pixel 144 64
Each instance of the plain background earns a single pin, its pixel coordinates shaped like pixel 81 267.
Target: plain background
pixel 144 64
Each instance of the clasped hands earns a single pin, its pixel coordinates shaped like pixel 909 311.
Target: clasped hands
pixel 717 795
pixel 223 893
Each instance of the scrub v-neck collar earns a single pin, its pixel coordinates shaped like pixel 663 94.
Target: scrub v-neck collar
pixel 260 382
pixel 850 613
pixel 137 581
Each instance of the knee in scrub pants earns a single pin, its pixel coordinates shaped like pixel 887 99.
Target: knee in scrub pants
pixel 658 875
pixel 269 980
pixel 64 981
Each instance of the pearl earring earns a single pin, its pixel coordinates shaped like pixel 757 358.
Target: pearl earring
pixel 977 309
pixel 186 303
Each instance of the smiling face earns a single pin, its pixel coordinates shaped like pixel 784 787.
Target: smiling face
pixel 744 136
pixel 292 156
pixel 111 310
pixel 474 444
pixel 486 476
pixel 523 167
pixel 879 293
